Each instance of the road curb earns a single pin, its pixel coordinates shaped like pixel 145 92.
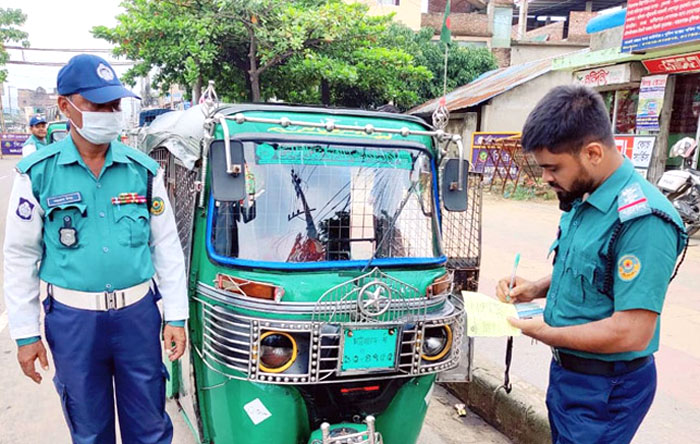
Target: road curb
pixel 520 415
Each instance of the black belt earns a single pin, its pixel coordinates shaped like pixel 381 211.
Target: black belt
pixel 590 366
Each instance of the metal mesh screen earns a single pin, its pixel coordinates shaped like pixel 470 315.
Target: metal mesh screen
pixel 461 231
pixel 180 185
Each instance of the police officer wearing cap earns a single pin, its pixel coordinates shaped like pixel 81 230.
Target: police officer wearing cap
pixel 37 126
pixel 618 243
pixel 89 228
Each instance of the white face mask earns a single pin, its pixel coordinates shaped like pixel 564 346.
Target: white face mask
pixel 99 128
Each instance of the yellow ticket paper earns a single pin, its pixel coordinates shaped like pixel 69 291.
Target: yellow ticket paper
pixel 488 317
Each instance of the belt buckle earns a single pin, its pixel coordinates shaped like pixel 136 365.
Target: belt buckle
pixel 110 300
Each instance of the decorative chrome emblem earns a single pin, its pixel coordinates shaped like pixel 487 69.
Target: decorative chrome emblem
pixel 374 299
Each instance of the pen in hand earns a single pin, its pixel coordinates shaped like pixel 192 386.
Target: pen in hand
pixel 512 277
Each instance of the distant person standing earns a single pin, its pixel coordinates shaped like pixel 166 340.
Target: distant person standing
pixel 37 126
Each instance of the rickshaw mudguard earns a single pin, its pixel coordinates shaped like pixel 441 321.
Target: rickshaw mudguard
pixel 243 412
pixel 401 422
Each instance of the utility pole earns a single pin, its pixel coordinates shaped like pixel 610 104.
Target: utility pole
pixel 2 111
pixel 522 20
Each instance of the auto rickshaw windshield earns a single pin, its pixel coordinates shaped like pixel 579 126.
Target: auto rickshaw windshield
pixel 312 203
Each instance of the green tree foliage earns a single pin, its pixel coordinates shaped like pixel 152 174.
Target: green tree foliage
pixel 464 64
pixel 309 51
pixel 10 19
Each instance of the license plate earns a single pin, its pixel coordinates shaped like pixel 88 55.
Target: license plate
pixel 369 349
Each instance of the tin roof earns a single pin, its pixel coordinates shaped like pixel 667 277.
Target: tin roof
pixel 487 86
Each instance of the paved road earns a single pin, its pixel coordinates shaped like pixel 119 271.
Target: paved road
pixel 529 228
pixel 31 414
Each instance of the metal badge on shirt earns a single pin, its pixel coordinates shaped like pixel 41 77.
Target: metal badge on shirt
pixel 67 235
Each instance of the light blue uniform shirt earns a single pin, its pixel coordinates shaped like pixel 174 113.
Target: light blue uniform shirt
pixel 34 140
pixel 112 249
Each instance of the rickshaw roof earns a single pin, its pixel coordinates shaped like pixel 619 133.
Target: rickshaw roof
pixel 307 109
pixel 181 131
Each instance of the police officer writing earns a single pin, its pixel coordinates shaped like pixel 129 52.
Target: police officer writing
pixel 37 126
pixel 89 228
pixel 619 239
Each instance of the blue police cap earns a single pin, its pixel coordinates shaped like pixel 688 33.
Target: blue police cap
pixel 93 78
pixel 36 120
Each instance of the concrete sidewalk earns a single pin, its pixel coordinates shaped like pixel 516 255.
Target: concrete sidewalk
pixel 521 415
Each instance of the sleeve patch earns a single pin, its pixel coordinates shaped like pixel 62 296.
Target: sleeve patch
pixel 25 209
pixel 628 267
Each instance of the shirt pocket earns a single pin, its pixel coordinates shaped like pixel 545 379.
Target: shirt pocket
pixel 132 225
pixel 64 225
pixel 589 277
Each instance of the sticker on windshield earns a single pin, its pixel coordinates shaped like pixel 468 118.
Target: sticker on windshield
pixel 267 154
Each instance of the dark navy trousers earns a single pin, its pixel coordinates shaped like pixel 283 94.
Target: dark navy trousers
pixel 589 409
pixel 100 354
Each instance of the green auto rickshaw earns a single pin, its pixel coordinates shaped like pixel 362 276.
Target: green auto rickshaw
pixel 325 251
pixel 56 131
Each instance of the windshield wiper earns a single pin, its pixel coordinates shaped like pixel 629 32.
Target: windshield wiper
pixel 392 223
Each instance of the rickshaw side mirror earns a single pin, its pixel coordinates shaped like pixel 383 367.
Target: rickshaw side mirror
pixel 453 198
pixel 225 186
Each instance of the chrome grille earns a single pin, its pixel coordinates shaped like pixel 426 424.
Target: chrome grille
pixel 232 341
pixel 345 302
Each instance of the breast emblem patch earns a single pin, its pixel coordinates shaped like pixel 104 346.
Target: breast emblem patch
pixel 157 206
pixel 628 267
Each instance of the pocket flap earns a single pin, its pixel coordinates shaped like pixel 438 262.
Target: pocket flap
pixel 82 209
pixel 584 266
pixel 131 211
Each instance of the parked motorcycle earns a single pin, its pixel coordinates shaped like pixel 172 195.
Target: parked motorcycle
pixel 682 187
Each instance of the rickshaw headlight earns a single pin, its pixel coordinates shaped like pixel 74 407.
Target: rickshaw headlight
pixel 436 342
pixel 278 351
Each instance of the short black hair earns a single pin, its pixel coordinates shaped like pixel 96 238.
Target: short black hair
pixel 566 119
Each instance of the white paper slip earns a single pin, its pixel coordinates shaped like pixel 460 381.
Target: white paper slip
pixel 488 317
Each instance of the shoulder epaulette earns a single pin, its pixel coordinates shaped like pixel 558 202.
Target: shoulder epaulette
pixel 632 203
pixel 36 157
pixel 141 158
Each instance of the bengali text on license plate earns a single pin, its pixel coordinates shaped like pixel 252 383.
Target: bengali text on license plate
pixel 365 349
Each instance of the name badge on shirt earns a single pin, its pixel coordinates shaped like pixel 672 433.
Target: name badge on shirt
pixel 64 199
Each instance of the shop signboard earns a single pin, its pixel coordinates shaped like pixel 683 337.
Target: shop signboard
pixel 636 148
pixel 486 153
pixel 608 75
pixel 674 64
pixel 659 23
pixel 11 143
pixel 651 100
